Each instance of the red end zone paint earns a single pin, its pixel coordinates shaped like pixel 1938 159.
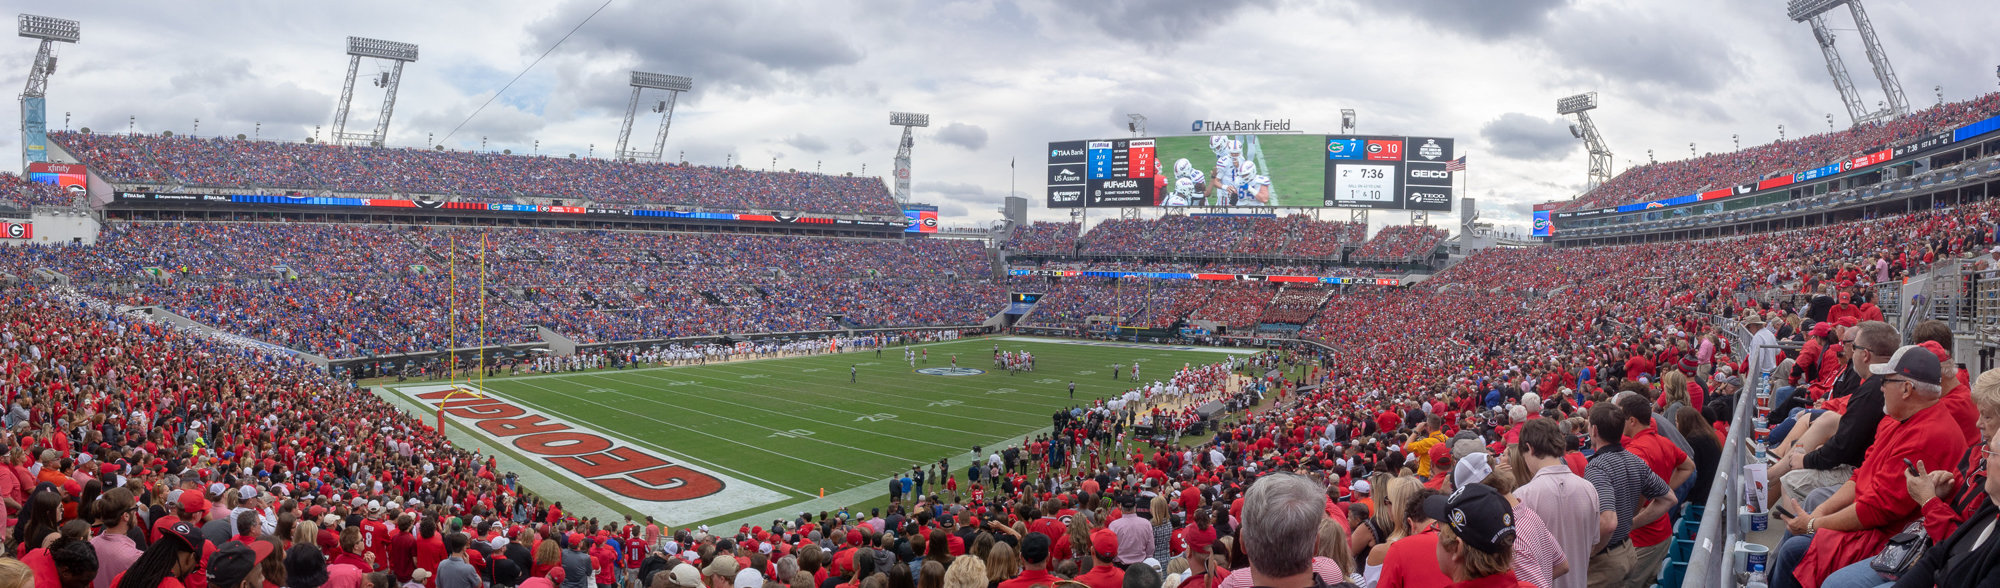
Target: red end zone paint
pixel 617 468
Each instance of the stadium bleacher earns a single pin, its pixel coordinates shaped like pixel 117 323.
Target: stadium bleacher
pixel 267 165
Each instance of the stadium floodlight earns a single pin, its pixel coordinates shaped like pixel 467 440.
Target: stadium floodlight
pixel 34 106
pixel 655 81
pixel 1813 12
pixel 907 120
pixel 380 49
pixel 1801 10
pixel 47 28
pixel 357 48
pixel 1347 121
pixel 642 81
pixel 1577 103
pixel 1600 152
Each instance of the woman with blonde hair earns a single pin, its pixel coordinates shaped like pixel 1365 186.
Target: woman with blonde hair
pixel 1001 565
pixel 1391 506
pixel 965 572
pixel 1163 528
pixel 14 574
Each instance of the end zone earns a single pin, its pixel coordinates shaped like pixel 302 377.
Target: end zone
pixel 616 471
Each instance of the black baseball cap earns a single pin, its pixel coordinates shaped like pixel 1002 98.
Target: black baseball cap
pixel 1035 548
pixel 234 561
pixel 1478 515
pixel 1914 363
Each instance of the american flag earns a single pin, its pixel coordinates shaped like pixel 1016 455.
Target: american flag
pixel 1455 164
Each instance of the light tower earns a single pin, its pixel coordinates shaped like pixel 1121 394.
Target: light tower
pixel 1346 121
pixel 641 81
pixel 34 108
pixel 1600 153
pixel 357 48
pixel 1813 12
pixel 907 120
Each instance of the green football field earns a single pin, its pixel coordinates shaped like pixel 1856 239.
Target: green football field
pixel 760 435
pixel 1295 163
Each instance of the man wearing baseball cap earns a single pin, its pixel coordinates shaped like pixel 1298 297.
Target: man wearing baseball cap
pixel 236 564
pixel 1103 551
pixel 1475 545
pixel 1867 510
pixel 1035 553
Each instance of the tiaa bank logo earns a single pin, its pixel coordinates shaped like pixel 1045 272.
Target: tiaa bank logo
pixel 950 371
pixel 1197 126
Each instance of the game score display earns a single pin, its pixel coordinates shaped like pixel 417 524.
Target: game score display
pixel 1240 171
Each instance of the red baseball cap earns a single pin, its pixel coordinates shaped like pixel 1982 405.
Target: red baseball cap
pixel 1104 543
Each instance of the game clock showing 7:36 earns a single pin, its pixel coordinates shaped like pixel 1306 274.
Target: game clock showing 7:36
pixel 1388 172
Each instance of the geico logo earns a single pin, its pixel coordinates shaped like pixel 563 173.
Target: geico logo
pixel 1122 184
pixel 1429 173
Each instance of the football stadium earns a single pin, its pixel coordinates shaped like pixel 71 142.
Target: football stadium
pixel 1352 326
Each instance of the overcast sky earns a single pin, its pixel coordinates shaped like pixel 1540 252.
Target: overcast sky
pixel 811 83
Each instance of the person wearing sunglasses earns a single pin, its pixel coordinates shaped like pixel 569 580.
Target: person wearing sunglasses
pixel 1860 517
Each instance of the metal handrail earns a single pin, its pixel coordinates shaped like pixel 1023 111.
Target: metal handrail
pixel 1715 541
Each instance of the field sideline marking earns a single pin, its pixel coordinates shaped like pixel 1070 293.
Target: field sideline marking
pixel 747 423
pixel 672 367
pixel 687 428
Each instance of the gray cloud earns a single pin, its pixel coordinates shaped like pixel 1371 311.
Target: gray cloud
pixel 956 199
pixel 1659 54
pixel 752 47
pixel 1161 23
pixel 1520 136
pixel 806 143
pixel 1486 20
pixel 855 147
pixel 971 137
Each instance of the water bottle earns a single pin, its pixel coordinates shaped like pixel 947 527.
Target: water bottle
pixel 1757 577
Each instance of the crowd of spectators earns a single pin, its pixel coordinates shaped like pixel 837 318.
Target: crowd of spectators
pixel 1539 431
pixel 1294 236
pixel 19 192
pixel 1295 306
pixel 1044 238
pixel 354 290
pixel 267 165
pixel 1655 181
pixel 1399 243
pixel 1234 304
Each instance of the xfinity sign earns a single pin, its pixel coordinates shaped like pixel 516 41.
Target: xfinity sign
pixel 1279 125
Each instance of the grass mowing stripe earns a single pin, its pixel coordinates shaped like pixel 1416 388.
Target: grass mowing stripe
pixel 824 407
pixel 983 396
pixel 678 426
pixel 768 428
pixel 954 383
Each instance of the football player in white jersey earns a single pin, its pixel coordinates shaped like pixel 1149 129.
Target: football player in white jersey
pixel 1227 153
pixel 1252 189
pixel 1184 194
pixel 1185 172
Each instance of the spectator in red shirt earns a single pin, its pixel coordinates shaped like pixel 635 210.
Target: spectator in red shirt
pixel 1858 520
pixel 403 549
pixel 1103 551
pixel 1035 553
pixel 1643 439
pixel 1475 546
pixel 428 548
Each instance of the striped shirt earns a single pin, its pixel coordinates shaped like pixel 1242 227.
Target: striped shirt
pixel 1536 552
pixel 1622 481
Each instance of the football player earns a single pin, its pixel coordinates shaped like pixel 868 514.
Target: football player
pixel 1227 153
pixel 1184 193
pixel 1252 189
pixel 1185 172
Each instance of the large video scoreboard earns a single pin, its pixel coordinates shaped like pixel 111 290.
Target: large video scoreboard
pixel 1236 171
pixel 1111 173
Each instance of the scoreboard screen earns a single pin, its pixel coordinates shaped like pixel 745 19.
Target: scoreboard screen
pixel 1242 171
pixel 1109 173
